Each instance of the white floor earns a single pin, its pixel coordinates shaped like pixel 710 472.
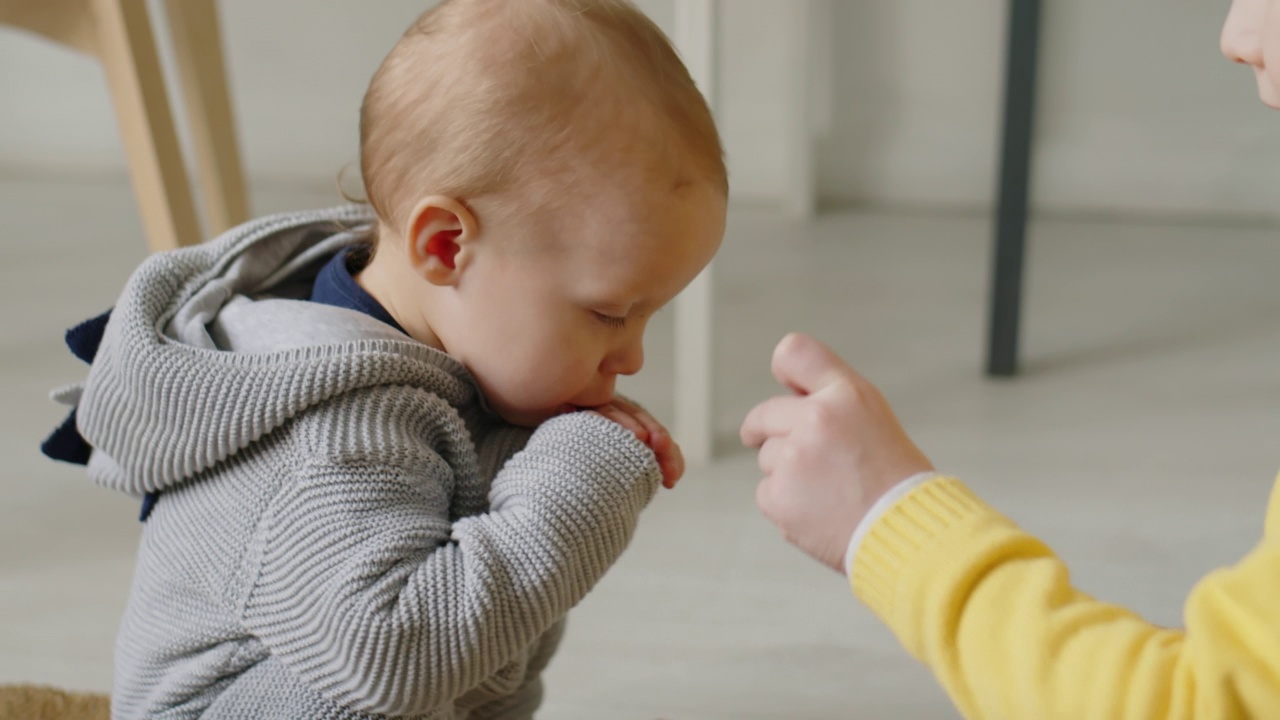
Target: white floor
pixel 1141 443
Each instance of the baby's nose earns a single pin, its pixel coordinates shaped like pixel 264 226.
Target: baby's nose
pixel 627 359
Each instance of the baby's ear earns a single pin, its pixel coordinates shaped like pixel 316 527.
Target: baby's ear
pixel 441 230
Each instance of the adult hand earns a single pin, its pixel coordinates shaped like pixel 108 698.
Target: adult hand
pixel 649 431
pixel 828 451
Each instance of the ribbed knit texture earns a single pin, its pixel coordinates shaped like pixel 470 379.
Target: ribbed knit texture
pixel 925 513
pixel 343 530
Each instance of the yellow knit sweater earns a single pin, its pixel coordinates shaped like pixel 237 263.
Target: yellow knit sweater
pixel 992 612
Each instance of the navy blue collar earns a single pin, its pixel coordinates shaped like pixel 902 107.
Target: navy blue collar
pixel 335 285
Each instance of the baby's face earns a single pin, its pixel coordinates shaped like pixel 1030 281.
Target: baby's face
pixel 552 314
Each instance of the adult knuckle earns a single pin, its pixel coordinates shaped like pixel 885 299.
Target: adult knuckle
pixel 854 390
pixel 824 413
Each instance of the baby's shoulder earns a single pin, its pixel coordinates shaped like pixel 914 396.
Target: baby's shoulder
pixel 384 423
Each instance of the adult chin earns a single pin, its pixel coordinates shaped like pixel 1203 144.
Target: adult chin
pixel 1268 90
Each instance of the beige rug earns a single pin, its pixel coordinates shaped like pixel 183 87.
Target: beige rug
pixel 33 702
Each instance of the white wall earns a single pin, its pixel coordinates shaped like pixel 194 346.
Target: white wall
pixel 297 69
pixel 915 101
pixel 1142 111
pixel 1138 112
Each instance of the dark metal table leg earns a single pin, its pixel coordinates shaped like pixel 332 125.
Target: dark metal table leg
pixel 1015 170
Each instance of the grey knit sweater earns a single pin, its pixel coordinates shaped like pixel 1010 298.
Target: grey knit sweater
pixel 344 530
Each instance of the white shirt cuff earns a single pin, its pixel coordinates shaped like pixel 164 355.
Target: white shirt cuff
pixel 886 501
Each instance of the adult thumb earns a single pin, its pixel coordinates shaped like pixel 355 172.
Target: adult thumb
pixel 805 365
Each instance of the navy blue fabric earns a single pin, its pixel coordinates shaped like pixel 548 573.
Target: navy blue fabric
pixel 66 443
pixel 85 338
pixel 148 504
pixel 336 286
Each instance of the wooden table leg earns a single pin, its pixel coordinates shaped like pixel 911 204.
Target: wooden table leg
pixel 197 42
pixel 127 49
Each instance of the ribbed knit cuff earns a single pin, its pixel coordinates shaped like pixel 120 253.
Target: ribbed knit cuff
pixel 592 456
pixel 881 506
pixel 590 440
pixel 903 535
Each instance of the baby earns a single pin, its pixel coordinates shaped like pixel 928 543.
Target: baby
pixel 380 446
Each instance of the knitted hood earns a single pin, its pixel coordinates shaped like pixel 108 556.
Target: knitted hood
pixel 212 347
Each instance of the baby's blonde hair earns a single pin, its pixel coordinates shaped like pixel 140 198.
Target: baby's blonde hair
pixel 479 95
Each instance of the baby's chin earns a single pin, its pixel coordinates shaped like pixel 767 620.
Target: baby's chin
pixel 532 418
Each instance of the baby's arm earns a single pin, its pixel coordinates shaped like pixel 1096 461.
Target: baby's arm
pixel 369 593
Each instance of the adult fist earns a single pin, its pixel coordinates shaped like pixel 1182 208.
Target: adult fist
pixel 828 451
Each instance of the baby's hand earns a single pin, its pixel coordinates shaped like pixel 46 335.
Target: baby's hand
pixel 651 432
